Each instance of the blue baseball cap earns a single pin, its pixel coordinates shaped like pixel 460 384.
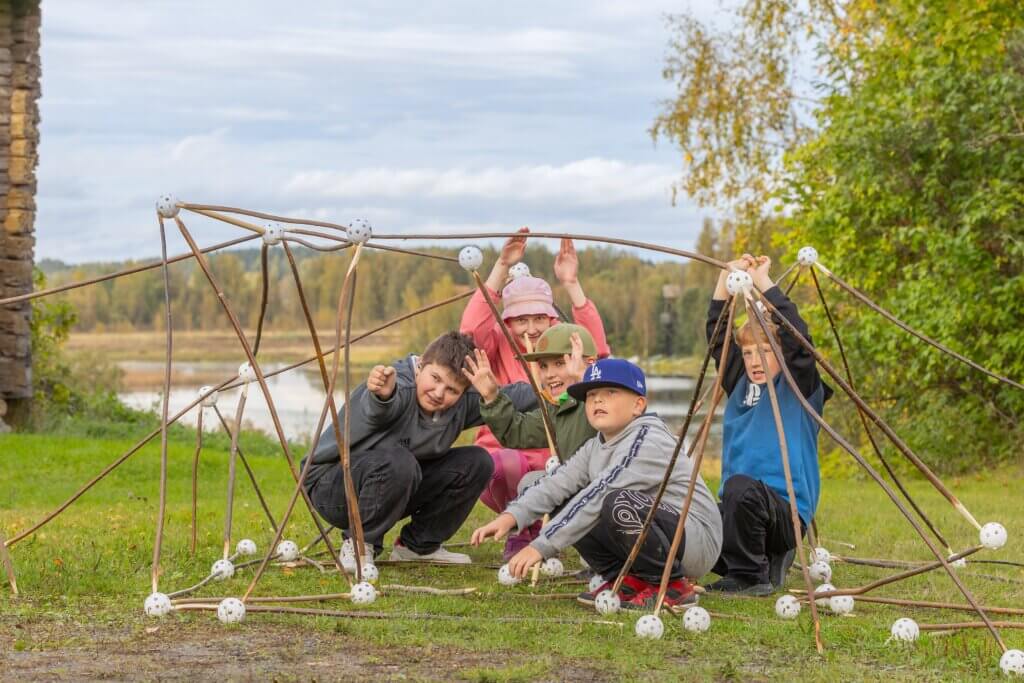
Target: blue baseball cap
pixel 610 372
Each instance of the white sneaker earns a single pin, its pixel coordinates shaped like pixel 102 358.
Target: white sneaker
pixel 403 554
pixel 349 562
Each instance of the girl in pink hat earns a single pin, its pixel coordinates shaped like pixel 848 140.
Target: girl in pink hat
pixel 528 310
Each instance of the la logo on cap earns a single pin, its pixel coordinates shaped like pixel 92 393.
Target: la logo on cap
pixel 595 372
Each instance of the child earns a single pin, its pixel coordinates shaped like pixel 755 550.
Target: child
pixel 528 310
pixel 758 546
pixel 601 496
pixel 403 423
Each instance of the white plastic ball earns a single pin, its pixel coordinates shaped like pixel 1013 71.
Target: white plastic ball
pixel 246 373
pixel 993 535
pixel 505 577
pixel 370 572
pixel 348 548
pixel 959 563
pixel 519 270
pixel 287 551
pixel 157 605
pixel 905 629
pixel 552 464
pixel 471 258
pixel 596 581
pixel 363 593
pixel 820 571
pixel 787 607
pixel 231 610
pixel 696 619
pixel 823 602
pixel 738 281
pixel 359 231
pixel 222 570
pixel 841 604
pixel 246 546
pixel 820 554
pixel 167 205
pixel 807 256
pixel 273 233
pixel 607 602
pixel 1012 663
pixel 552 567
pixel 209 396
pixel 650 626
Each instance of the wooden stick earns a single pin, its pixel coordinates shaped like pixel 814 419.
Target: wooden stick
pixel 232 457
pixel 885 581
pixel 245 464
pixel 794 514
pixel 169 334
pixel 552 447
pixel 355 521
pixel 5 557
pixel 1014 611
pixel 970 624
pixel 195 480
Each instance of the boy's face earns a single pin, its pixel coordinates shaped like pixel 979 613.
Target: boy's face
pixel 554 374
pixel 610 409
pixel 529 327
pixel 438 388
pixel 756 373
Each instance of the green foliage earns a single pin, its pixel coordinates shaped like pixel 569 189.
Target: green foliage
pixel 50 324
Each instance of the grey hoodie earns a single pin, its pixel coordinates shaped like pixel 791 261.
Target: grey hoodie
pixel 399 421
pixel 636 460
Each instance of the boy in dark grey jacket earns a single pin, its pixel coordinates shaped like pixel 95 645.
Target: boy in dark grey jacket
pixel 600 497
pixel 403 422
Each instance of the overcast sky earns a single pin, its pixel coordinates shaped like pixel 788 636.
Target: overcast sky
pixel 451 116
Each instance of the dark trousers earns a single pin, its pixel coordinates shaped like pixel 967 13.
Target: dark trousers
pixel 608 544
pixel 438 494
pixel 756 524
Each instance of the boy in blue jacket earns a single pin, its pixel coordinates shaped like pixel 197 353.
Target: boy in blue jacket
pixel 758 542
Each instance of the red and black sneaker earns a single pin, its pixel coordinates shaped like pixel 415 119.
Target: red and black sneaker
pixel 636 593
pixel 678 594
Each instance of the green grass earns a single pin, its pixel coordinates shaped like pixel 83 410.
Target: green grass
pixel 91 566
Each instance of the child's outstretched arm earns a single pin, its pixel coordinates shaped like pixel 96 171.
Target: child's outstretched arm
pixel 733 370
pixel 477 319
pixel 379 403
pixel 584 312
pixel 497 529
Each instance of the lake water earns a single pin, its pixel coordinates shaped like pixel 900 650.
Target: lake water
pixel 299 396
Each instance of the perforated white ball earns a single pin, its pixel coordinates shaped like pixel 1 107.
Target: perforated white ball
pixel 246 373
pixel 552 464
pixel 273 233
pixel 287 551
pixel 363 593
pixel 370 572
pixel 552 567
pixel 905 629
pixel 246 546
pixel 959 563
pixel 650 626
pixel 787 607
pixel 519 270
pixel 471 258
pixel 820 571
pixel 167 205
pixel 807 256
pixel 993 535
pixel 696 619
pixel 821 554
pixel 738 281
pixel 596 581
pixel 841 604
pixel 157 605
pixel 505 577
pixel 1012 663
pixel 222 570
pixel 231 611
pixel 607 602
pixel 359 231
pixel 823 602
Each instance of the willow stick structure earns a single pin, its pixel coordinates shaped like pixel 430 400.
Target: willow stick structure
pixel 229 512
pixel 887 580
pixel 195 482
pixel 355 521
pixel 169 352
pixel 248 469
pixel 925 604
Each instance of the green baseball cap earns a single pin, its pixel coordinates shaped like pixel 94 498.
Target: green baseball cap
pixel 556 342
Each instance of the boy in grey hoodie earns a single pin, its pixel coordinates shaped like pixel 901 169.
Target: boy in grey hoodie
pixel 600 497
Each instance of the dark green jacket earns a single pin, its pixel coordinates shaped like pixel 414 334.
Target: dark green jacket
pixel 514 429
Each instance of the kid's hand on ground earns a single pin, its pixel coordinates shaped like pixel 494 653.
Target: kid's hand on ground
pixel 497 529
pixel 522 561
pixel 478 372
pixel 513 249
pixel 567 264
pixel 575 366
pixel 381 381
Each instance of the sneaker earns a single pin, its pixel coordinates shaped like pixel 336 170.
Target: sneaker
pixel 680 592
pixel 402 554
pixel 735 586
pixel 778 567
pixel 636 593
pixel 588 597
pixel 629 591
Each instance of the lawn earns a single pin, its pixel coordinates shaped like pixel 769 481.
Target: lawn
pixel 84 577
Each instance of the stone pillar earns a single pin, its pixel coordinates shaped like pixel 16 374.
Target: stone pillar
pixel 19 141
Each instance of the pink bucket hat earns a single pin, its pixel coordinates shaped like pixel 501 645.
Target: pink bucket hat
pixel 527 296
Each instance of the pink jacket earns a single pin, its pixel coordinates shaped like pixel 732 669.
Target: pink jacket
pixel 478 322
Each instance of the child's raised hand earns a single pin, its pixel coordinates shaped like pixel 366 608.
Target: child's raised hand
pixel 521 562
pixel 381 381
pixel 574 363
pixel 759 273
pixel 496 529
pixel 567 263
pixel 514 248
pixel 478 372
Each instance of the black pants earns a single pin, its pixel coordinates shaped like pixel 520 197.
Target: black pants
pixel 608 544
pixel 438 494
pixel 756 524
